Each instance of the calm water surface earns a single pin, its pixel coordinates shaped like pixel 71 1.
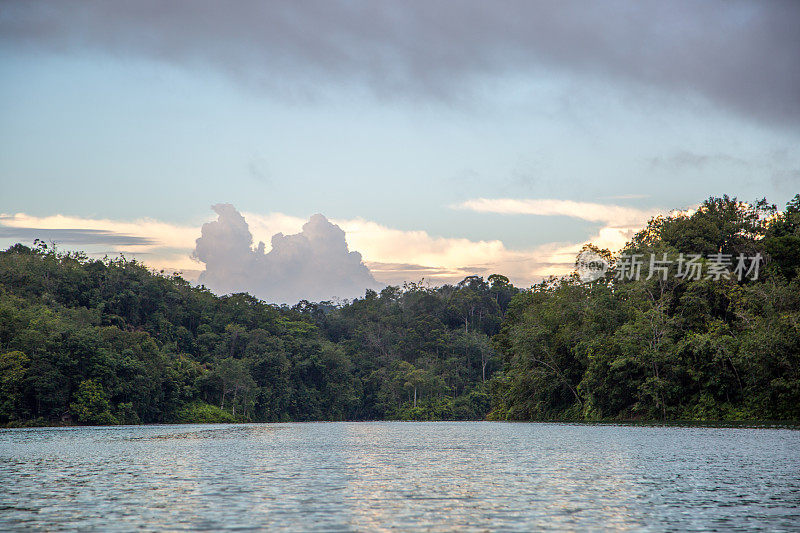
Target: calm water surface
pixel 402 476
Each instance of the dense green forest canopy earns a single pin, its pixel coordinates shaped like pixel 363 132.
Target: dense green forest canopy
pixel 110 341
pixel 668 347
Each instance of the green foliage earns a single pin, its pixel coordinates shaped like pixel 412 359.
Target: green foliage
pixel 14 372
pixel 419 352
pixel 109 341
pixel 202 413
pixel 90 404
pixel 667 349
pixel 782 241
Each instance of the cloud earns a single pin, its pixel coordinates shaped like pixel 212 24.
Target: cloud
pixel 593 212
pixel 160 244
pixel 618 226
pixel 314 264
pixel 396 255
pixel 306 248
pixel 391 245
pixel 155 232
pixel 74 236
pixel 739 54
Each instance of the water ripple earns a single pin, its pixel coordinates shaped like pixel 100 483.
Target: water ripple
pixel 399 476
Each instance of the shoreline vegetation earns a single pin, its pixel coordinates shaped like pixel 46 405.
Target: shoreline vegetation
pixel 709 424
pixel 103 342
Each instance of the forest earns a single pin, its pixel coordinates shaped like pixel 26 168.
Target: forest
pixel 109 341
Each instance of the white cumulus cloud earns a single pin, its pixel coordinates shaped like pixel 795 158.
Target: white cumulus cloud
pixel 314 264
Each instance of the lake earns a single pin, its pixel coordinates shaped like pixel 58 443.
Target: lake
pixel 404 476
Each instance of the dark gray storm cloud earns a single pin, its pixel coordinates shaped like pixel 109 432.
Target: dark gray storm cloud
pixel 72 236
pixel 742 55
pixel 314 264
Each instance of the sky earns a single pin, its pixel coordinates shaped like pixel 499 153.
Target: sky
pixel 435 139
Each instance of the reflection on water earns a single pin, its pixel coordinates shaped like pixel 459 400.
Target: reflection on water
pixel 406 476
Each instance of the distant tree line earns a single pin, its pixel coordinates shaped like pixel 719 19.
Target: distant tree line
pixel 111 342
